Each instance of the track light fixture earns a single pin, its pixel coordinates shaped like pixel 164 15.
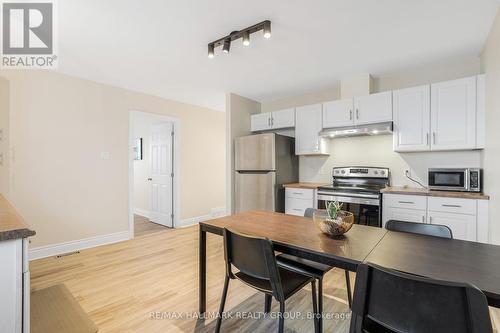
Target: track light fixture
pixel 244 34
pixel 226 45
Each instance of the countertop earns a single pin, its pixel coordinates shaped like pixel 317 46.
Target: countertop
pixel 12 225
pixel 311 186
pixel 430 193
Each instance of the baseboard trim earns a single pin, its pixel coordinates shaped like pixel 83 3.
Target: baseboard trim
pixel 76 245
pixel 142 212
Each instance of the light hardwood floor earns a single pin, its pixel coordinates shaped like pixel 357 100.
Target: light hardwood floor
pixel 143 226
pixel 120 286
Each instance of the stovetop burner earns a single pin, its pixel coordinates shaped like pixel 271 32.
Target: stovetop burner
pixel 358 180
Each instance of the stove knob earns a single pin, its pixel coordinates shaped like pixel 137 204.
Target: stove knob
pixel 343 171
pixel 382 172
pixel 375 172
pixel 336 171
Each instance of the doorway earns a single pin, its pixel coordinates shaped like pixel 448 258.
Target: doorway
pixel 153 173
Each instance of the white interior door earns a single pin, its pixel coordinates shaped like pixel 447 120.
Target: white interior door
pixel 161 174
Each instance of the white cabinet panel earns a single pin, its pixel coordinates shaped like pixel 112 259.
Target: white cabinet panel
pixel 411 110
pixel 481 112
pixel 453 205
pixel 453 114
pixel 299 193
pixel 374 108
pixel 407 215
pixel 405 201
pixel 462 226
pixel 260 122
pixel 294 206
pixel 338 113
pixel 283 119
pixel 308 124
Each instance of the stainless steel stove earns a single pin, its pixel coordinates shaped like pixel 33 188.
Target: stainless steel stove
pixel 358 189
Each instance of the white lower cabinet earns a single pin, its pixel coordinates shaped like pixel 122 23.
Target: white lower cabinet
pixel 462 226
pixel 297 200
pixel 463 216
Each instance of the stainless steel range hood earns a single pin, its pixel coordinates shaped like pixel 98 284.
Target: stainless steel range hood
pixel 359 130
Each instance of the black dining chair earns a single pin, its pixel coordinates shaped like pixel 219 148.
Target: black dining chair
pixel 436 230
pixel 257 267
pixel 390 301
pixel 312 269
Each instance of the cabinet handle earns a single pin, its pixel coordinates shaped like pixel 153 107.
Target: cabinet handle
pixel 430 219
pixel 407 202
pixel 297 209
pixel 434 137
pixel 357 113
pixel 350 114
pixel 423 218
pixel 269 121
pixel 427 138
pixel 298 193
pixel 272 121
pixel 453 206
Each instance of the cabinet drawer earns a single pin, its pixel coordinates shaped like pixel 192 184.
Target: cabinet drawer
pixel 453 205
pixel 406 201
pixel 297 207
pixel 300 193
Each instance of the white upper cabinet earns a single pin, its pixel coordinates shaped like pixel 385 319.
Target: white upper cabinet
pixel 412 112
pixel 283 118
pixel 272 120
pixel 308 124
pixel 481 112
pixel 260 122
pixel 338 113
pixel 453 114
pixel 374 108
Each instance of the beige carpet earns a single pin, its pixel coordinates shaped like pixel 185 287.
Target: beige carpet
pixel 55 310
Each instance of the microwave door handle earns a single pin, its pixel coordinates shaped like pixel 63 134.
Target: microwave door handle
pixel 467 180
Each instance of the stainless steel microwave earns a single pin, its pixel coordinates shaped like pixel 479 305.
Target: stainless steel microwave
pixel 456 179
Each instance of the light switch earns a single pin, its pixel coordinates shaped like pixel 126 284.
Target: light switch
pixel 105 155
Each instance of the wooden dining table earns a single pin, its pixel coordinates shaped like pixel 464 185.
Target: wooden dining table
pixel 445 259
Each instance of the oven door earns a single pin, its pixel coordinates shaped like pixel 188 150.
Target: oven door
pixel 449 179
pixel 366 208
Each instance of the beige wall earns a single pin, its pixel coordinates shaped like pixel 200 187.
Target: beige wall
pixel 60 125
pixel 377 150
pixel 490 62
pixel 238 111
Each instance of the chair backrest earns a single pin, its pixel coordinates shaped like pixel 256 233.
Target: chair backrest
pixel 436 230
pixel 309 212
pixel 391 301
pixel 253 256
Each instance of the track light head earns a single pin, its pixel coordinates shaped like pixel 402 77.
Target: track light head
pixel 267 29
pixel 246 38
pixel 210 50
pixel 226 45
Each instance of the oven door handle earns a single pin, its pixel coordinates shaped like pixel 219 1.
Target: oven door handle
pixel 355 200
pixel 351 195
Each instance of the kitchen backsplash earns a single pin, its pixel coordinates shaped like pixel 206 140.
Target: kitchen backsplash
pixel 377 151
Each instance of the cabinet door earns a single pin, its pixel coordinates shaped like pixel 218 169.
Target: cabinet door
pixel 412 112
pixel 308 123
pixel 283 118
pixel 462 226
pixel 260 122
pixel 407 215
pixel 453 114
pixel 338 113
pixel 374 108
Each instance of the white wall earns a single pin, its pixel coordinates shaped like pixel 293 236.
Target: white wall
pixel 377 150
pixel 4 141
pixel 238 112
pixel 60 125
pixel 491 67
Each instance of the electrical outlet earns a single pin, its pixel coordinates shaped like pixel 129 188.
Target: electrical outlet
pixel 407 173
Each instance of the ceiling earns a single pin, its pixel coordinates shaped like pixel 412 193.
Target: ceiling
pixel 160 46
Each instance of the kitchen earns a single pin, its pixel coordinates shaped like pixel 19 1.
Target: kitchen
pixel 390 141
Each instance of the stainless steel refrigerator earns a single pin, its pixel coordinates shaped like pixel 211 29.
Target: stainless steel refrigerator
pixel 263 163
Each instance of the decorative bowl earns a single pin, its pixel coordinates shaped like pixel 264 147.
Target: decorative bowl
pixel 333 227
